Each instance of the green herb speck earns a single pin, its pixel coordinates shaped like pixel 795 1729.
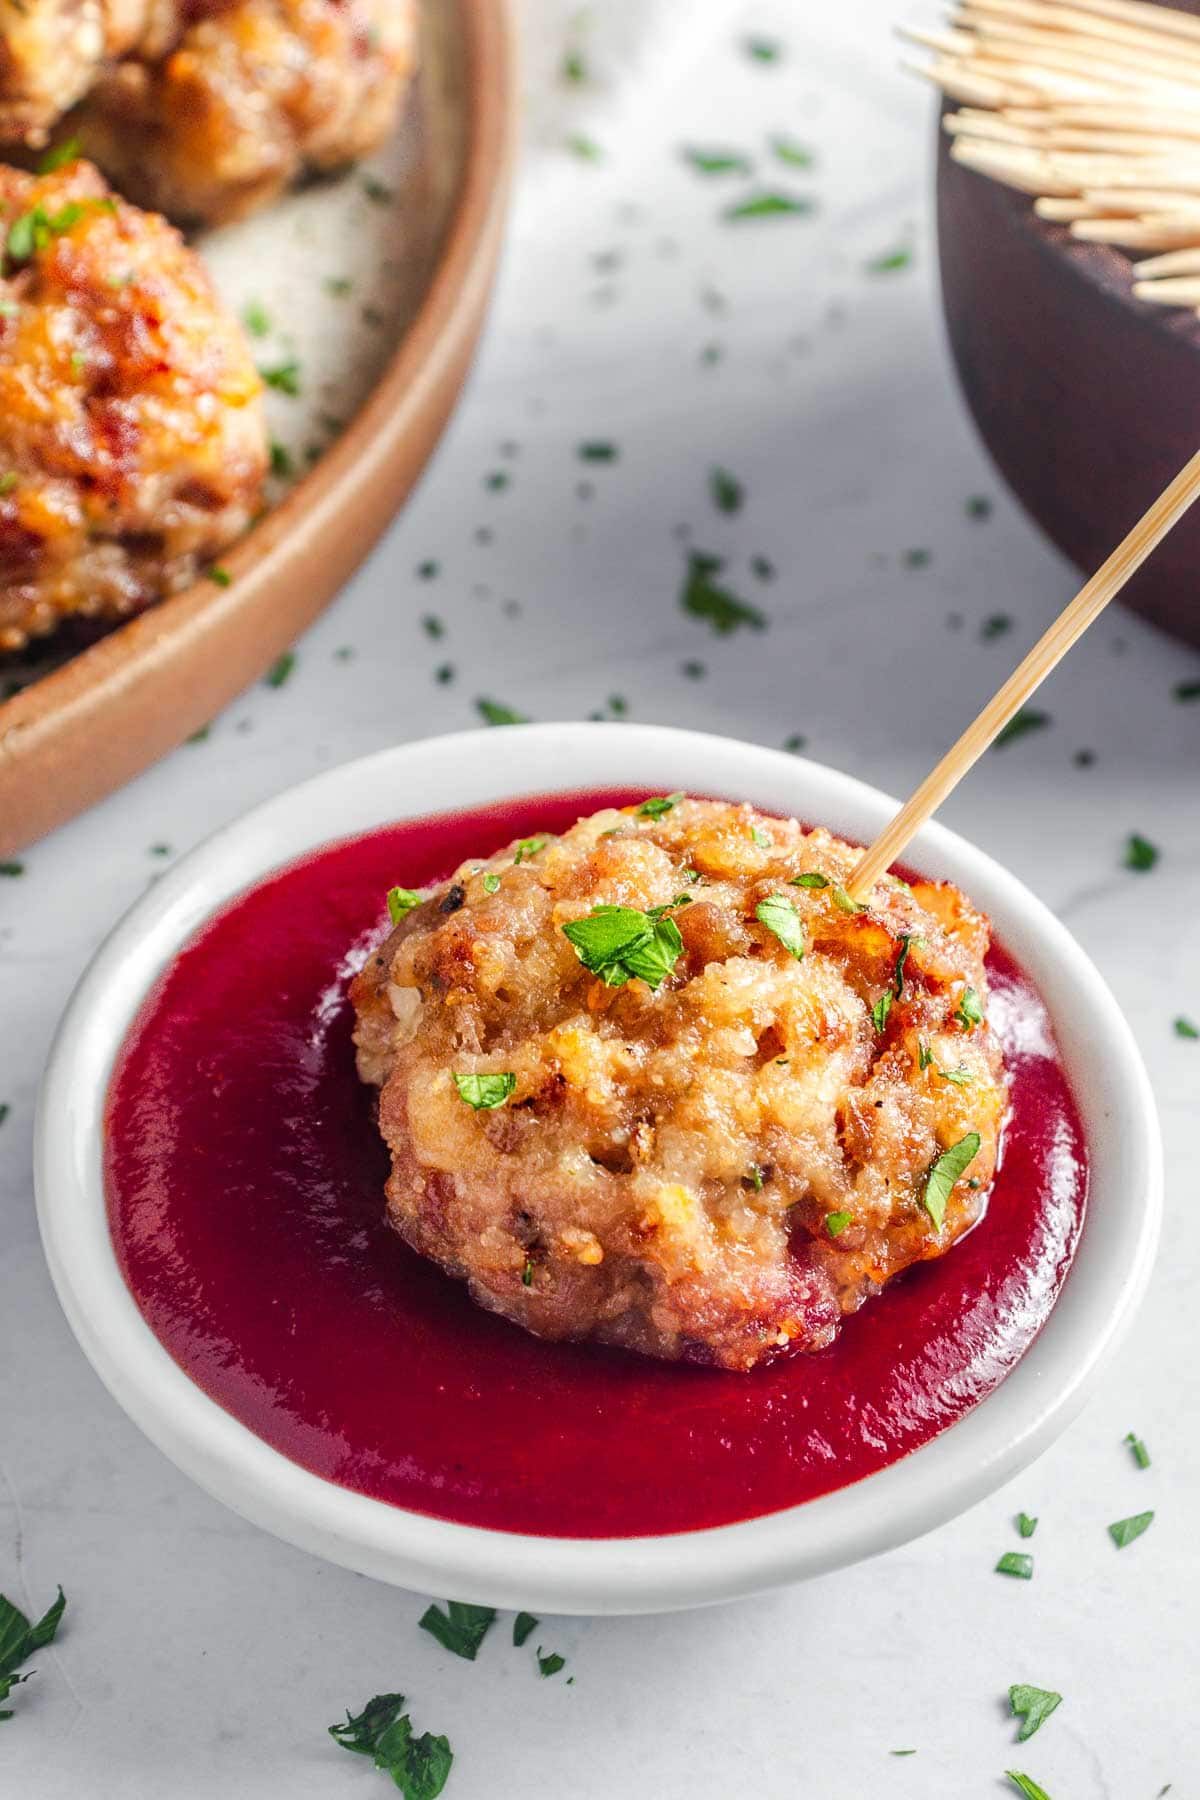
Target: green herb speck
pixel 280 671
pixel 1016 1562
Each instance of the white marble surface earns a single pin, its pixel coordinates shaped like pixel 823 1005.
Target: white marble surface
pixel 201 1657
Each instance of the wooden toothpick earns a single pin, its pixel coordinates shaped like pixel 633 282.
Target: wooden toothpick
pixel 1070 625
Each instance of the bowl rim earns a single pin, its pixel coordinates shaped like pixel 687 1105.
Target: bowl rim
pixel 968 1460
pixel 103 715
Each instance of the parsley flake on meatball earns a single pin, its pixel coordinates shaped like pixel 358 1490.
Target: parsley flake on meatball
pixel 659 1082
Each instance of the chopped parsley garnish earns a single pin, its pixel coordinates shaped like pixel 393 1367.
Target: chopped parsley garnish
pixel 400 901
pixel 1185 1029
pixel 1125 1530
pixel 257 319
pixel 550 1663
pixel 432 626
pixel 5 1109
pixel 1027 1785
pixel 769 205
pixel 902 958
pixel 924 1056
pixel 1033 1705
pixel 658 804
pixel 338 285
pixel 939 1183
pixel 978 506
pixel 529 847
pixel 483 1093
pixel 523 1625
pixel 1186 690
pixel 1016 1562
pixel 761 49
pixel 1027 719
pixel 656 912
pixel 836 1223
pixel 58 156
pixel 881 1009
pixel 797 156
pixel 994 626
pixel 956 1077
pixel 279 671
pixel 810 880
pixel 36 229
pixel 890 261
pixel 491 882
pixel 760 837
pixel 968 1012
pixel 284 377
pixel 917 558
pixel 282 464
pixel 704 599
pixel 1137 1449
pixel 780 917
pixel 717 162
pixel 1140 853
pixel 377 191
pixel 596 450
pixel 493 713
pixel 460 1628
pixel 419 1766
pixel 754 1176
pixel 1026 1525
pixel 12 868
pixel 727 491
pixel 527 1273
pixel 902 1753
pixel 573 69
pixel 618 943
pixel 844 903
pixel 220 575
pixel 428 570
pixel 497 480
pixel 19 1640
pixel 585 148
pixel 763 567
pixel 8 482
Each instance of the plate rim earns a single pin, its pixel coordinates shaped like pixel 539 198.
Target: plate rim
pixel 91 724
pixel 999 1436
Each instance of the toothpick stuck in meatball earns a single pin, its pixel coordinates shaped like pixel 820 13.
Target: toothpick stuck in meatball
pixel 133 445
pixel 660 1083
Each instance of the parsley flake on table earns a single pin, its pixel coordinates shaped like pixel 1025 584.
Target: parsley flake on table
pixel 1026 1525
pixel 461 1628
pixel 726 490
pixel 401 900
pixel 994 626
pixel 719 606
pixel 618 943
pixel 1033 1706
pixel 280 670
pixel 1137 1449
pixel 597 450
pixel 1025 720
pixel 1125 1530
pixel 585 148
pixel 1027 1785
pixel 889 261
pixel 780 917
pixel 769 205
pixel 419 1766
pixel 1186 690
pixel 284 377
pixel 5 1109
pixel 716 162
pixel 574 68
pixel 257 319
pixel 550 1662
pixel 1016 1562
pixel 1140 853
pixel 762 50
pixel 939 1183
pixel 978 506
pixel 19 1640
pixel 787 150
pixel 377 190
pixel 483 1093
pixel 12 868
pixel 917 558
pixel 1185 1029
pixel 658 804
pixel 493 713
pixel 523 1625
pixel 282 462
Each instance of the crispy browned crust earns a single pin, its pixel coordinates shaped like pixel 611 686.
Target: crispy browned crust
pixel 663 1174
pixel 249 97
pixel 51 52
pixel 132 439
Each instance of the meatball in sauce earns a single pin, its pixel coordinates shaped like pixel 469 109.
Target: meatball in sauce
pixel 659 1082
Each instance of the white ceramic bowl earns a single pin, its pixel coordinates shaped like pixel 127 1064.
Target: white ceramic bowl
pixel 1003 1433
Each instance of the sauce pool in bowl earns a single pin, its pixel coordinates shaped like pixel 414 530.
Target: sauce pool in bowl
pixel 244 1178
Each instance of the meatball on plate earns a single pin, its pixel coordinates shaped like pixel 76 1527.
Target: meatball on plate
pixel 658 1081
pixel 719 1231
pixel 133 445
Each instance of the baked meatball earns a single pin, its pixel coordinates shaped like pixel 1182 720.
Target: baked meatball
pixel 51 52
pixel 252 96
pixel 132 439
pixel 660 1083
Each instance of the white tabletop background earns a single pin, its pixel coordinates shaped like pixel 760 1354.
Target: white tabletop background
pixel 199 1656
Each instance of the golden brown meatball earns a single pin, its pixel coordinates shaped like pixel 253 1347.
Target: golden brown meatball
pixel 252 96
pixel 132 440
pixel 51 52
pixel 705 1124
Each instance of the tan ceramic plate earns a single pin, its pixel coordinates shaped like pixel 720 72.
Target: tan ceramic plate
pixel 376 286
